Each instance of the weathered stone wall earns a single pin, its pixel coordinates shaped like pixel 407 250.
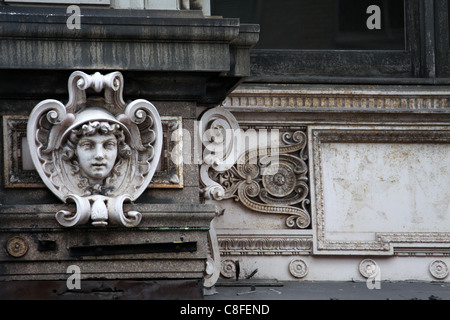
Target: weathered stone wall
pixel 174 59
pixel 377 180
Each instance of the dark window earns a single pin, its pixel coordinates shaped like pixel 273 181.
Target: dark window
pixel 322 24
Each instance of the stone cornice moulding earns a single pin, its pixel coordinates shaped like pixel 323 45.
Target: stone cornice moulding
pixel 264 242
pixel 340 98
pixel 155 217
pixel 148 46
pixel 127 24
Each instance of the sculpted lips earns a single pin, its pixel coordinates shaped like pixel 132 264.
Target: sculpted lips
pixel 99 165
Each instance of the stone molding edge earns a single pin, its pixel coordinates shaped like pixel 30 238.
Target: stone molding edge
pixel 185 25
pixel 383 99
pixel 154 216
pixel 272 243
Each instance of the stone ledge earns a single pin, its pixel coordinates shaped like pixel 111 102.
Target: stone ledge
pixel 168 55
pixel 339 98
pixel 103 290
pixel 154 217
pixel 171 242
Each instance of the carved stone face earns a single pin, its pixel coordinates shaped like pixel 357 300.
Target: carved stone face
pixel 97 155
pixel 97 152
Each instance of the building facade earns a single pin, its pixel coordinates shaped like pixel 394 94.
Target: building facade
pixel 363 97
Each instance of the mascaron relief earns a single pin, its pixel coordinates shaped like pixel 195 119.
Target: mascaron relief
pixel 271 178
pixel 97 152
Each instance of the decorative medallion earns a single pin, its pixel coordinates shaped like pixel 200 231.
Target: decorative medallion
pixel 282 183
pixel 368 268
pixel 298 268
pixel 17 247
pixel 228 269
pixel 438 269
pixel 97 152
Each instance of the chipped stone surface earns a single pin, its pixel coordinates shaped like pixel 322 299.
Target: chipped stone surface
pixel 371 188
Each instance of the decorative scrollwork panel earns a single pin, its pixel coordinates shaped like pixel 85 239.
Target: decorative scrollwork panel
pixel 270 178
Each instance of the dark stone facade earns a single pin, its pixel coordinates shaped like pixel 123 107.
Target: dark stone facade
pixel 178 60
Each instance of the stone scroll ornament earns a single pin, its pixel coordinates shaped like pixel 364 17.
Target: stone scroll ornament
pixel 271 180
pixel 98 152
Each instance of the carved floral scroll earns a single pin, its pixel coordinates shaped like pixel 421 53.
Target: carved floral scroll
pixel 270 179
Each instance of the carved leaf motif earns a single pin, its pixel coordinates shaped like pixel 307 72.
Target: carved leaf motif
pixel 99 213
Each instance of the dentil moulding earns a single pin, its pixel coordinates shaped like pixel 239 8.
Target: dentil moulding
pixel 97 152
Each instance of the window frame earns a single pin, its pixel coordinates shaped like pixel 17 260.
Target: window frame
pixel 442 38
pixel 415 64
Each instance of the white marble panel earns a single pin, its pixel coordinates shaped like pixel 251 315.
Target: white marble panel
pixel 385 187
pixel 377 189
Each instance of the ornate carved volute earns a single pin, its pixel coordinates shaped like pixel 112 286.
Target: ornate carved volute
pixel 97 152
pixel 269 178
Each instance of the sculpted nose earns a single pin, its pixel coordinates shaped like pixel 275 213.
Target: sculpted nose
pixel 99 152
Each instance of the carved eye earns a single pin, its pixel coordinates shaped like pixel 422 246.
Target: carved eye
pixel 110 144
pixel 86 145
